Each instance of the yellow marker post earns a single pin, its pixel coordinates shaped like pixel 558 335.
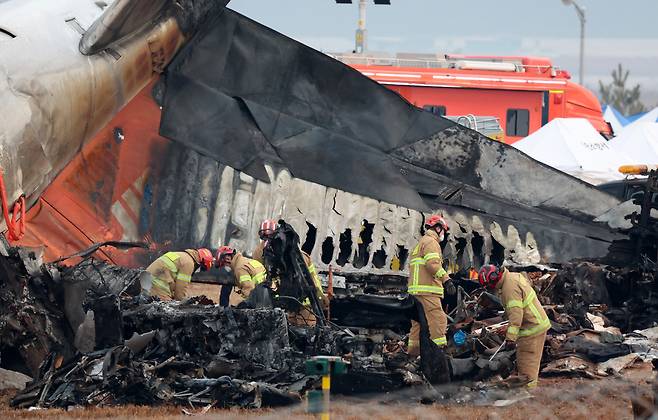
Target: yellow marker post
pixel 319 402
pixel 326 398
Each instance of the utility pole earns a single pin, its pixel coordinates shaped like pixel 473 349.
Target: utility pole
pixel 580 10
pixel 361 38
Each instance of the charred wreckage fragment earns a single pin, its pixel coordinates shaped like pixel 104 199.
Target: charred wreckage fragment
pixel 89 337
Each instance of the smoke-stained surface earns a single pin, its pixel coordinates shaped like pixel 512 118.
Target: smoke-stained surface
pixel 247 96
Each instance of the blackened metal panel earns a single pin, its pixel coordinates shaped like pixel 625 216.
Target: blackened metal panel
pixel 329 124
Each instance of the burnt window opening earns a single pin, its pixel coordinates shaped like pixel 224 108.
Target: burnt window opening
pixel 327 250
pixel 460 247
pixel 438 110
pixel 363 248
pixel 379 258
pixel 309 242
pixel 345 246
pixel 477 243
pixel 402 255
pixel 497 252
pixel 518 122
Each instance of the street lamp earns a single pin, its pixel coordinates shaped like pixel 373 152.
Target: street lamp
pixel 580 10
pixel 361 42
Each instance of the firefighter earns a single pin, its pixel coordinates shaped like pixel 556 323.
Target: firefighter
pixel 267 228
pixel 172 272
pixel 528 322
pixel 426 280
pixel 305 316
pixel 247 273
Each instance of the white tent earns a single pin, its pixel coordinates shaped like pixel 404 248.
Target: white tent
pixel 616 120
pixel 649 116
pixel 573 145
pixel 638 141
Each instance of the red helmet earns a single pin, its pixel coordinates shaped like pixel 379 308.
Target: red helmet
pixel 489 275
pixel 222 252
pixel 206 259
pixel 267 228
pixel 436 220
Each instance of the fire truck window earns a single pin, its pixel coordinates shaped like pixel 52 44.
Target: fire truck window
pixel 439 110
pixel 518 122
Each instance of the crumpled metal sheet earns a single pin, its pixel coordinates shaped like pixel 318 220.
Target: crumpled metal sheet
pixel 284 261
pixel 124 18
pixel 258 336
pixel 254 91
pixel 249 97
pixel 55 99
pixel 30 324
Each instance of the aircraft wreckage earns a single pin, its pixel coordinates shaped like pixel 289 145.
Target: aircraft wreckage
pixel 185 124
pixel 59 325
pixel 254 124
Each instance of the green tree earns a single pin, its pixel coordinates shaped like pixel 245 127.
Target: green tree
pixel 626 100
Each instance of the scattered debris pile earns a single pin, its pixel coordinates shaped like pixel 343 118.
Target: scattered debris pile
pixel 191 357
pixel 629 295
pixel 603 318
pixel 89 337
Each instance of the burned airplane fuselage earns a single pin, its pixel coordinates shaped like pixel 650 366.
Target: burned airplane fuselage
pixel 67 67
pixel 349 164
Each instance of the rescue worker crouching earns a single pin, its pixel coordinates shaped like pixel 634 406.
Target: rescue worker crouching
pixel 305 316
pixel 426 282
pixel 171 273
pixel 247 273
pixel 528 322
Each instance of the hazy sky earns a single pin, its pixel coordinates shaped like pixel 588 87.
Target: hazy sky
pixel 617 31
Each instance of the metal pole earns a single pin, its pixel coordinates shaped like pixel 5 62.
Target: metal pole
pixel 361 36
pixel 362 14
pixel 581 15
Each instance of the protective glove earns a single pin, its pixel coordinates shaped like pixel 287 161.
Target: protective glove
pixel 509 345
pixel 449 287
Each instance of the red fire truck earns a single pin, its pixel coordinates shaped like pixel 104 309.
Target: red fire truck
pixel 523 93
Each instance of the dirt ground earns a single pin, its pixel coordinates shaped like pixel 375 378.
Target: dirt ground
pixel 568 398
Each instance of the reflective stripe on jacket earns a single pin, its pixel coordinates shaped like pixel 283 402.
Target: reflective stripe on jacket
pixel 426 273
pixel 524 311
pixel 324 300
pixel 248 273
pixel 172 273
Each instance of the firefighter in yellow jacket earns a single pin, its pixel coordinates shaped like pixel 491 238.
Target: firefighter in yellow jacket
pixel 426 279
pixel 172 272
pixel 247 273
pixel 305 316
pixel 528 322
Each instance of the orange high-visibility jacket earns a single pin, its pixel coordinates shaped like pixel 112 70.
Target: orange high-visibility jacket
pixel 426 273
pixel 248 273
pixel 524 311
pixel 172 274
